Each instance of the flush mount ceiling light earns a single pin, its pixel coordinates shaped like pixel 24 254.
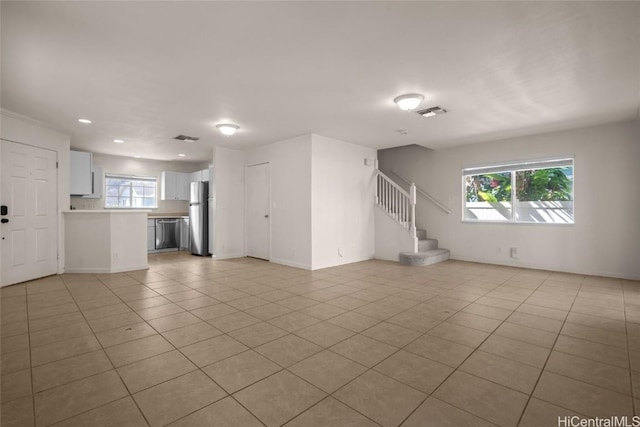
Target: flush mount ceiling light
pixel 409 102
pixel 182 155
pixel 136 157
pixel 430 112
pixel 227 128
pixel 85 121
pixel 119 141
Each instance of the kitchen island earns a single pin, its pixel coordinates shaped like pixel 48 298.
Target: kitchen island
pixel 105 241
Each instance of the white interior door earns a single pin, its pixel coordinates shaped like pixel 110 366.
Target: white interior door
pixel 30 233
pixel 258 229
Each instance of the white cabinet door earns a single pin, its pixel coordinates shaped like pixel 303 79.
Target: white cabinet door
pixel 80 177
pixel 151 238
pixel 168 185
pixel 195 176
pixel 182 186
pixel 204 175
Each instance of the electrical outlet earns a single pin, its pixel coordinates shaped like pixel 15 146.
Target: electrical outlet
pixel 514 252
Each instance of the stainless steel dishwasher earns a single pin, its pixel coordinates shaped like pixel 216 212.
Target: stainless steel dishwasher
pixel 167 233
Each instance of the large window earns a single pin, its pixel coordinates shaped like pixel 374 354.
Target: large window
pixel 131 192
pixel 527 192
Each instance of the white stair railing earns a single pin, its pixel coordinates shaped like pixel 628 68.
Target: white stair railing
pixel 398 203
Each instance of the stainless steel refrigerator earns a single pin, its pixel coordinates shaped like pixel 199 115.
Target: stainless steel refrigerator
pixel 198 221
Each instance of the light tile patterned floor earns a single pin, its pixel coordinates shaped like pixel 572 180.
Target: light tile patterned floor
pixel 198 342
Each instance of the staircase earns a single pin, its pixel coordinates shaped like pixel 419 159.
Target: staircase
pixel 399 205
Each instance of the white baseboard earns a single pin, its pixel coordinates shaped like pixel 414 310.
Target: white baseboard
pixel 105 270
pixel 290 264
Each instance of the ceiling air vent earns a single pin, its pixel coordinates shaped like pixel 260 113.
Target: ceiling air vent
pixel 430 112
pixel 186 138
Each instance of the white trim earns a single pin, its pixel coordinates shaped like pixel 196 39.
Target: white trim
pixel 229 256
pixel 292 264
pixel 106 269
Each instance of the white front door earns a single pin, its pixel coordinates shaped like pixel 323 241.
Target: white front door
pixel 258 230
pixel 29 230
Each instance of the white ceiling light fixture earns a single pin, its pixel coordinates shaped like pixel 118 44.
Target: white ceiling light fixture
pixel 85 121
pixel 227 128
pixel 409 101
pixel 136 157
pixel 182 155
pixel 119 141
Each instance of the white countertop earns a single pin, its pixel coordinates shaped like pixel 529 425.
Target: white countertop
pixel 102 211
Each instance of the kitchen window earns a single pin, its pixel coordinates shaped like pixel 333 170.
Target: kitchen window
pixel 130 192
pixel 538 192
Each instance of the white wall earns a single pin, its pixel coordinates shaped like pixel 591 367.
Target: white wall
pixel 290 169
pixel 605 239
pixel 140 167
pixel 17 128
pixel 342 202
pixel 228 166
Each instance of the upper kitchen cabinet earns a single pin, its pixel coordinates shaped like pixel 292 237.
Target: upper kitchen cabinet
pixel 202 175
pixel 174 186
pixel 80 177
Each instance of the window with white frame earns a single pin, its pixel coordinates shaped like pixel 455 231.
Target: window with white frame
pixel 130 192
pixel 538 192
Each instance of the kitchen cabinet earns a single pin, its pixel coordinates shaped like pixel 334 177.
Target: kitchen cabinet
pixel 80 183
pixel 151 235
pixel 174 185
pixel 202 175
pixel 184 234
pixel 97 183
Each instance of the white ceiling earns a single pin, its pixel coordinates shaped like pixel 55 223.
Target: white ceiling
pixel 148 71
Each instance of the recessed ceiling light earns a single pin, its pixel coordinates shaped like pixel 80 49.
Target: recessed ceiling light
pixel 182 155
pixel 119 141
pixel 85 121
pixel 227 129
pixel 136 157
pixel 409 102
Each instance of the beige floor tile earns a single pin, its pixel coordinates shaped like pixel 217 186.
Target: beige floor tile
pixel 539 413
pixel 324 334
pixel 509 373
pixel 525 334
pixel 121 413
pixel 17 413
pixel 234 321
pixel 590 371
pixel 635 378
pixel 416 371
pixel 519 351
pixel 474 321
pixel 112 322
pixel 488 400
pixel 14 343
pixel 67 370
pixel 278 398
pixel 268 311
pixel 59 333
pixel 498 303
pixel 391 334
pixel 159 311
pixel 139 295
pixel 154 370
pixel 110 310
pixel 460 334
pixel 379 310
pixel 582 397
pixel 198 302
pixel 598 335
pixel 597 322
pixel 348 302
pixel 124 334
pixel 323 311
pixel 55 321
pixel 294 321
pixel 414 321
pixel 258 334
pixel 55 310
pixel 487 311
pixel 132 351
pixel 616 356
pixel 174 321
pixel 154 301
pixel 537 310
pixel 191 334
pixel 63 349
pixel 206 352
pixel 435 412
pixel 327 370
pixel 366 351
pixel 297 302
pixel 330 413
pixel 288 350
pixel 380 398
pixel 443 351
pixel 184 295
pixel 15 385
pixel 15 361
pixel 224 413
pixel 62 402
pixel 241 370
pixel 177 398
pixel 353 321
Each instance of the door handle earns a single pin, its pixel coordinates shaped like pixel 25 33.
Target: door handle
pixel 266 216
pixel 4 220
pixel 4 210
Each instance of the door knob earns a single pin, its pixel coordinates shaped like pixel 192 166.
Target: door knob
pixel 4 220
pixel 266 216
